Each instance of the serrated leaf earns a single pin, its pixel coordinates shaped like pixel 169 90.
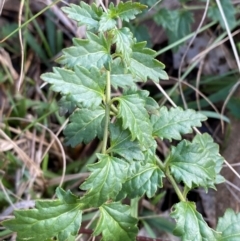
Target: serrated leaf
pixel 85 87
pixel 135 118
pixel 173 123
pixel 165 18
pixel 144 178
pixel 229 11
pixel 122 145
pixel 93 51
pixel 84 14
pixel 193 163
pixel 115 223
pixel 177 23
pixel 106 22
pixel 67 104
pixel 190 223
pixel 144 65
pixel 105 181
pixel 152 106
pixel 229 226
pixel 207 143
pixel 126 11
pixel 185 19
pixel 123 39
pixel 84 126
pixel 61 218
pixel 120 76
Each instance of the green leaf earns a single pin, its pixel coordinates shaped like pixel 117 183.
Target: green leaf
pixel 85 14
pixel 122 145
pixel 152 106
pixel 115 223
pixel 85 125
pixel 85 87
pixel 105 181
pixel 119 75
pixel 229 226
pixel 66 105
pixel 126 11
pixel 165 18
pixel 229 11
pixel 172 123
pixel 123 39
pixel 207 143
pixel 176 22
pixel 106 22
pixel 190 223
pixel 143 64
pixel 135 118
pixel 183 28
pixel 61 218
pixel 195 163
pixel 93 51
pixel 143 178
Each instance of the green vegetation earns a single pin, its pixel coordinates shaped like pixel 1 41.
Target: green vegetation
pixel 117 120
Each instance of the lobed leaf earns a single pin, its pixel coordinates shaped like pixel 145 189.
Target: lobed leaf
pixel 84 86
pixel 229 226
pixel 176 22
pixel 106 22
pixel 229 11
pixel 67 104
pixel 123 38
pixel 152 106
pixel 182 21
pixel 195 163
pixel 120 76
pixel 116 223
pixel 171 124
pixel 121 144
pixel 144 65
pixel 190 223
pixel 135 118
pixel 126 11
pixel 105 181
pixel 143 178
pixel 207 143
pixel 85 125
pixel 164 17
pixel 84 14
pixel 93 51
pixel 61 218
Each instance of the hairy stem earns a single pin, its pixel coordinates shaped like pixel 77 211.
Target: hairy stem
pixel 175 186
pixel 107 112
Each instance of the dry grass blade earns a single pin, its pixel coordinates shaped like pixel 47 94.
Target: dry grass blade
pixel 21 45
pixel 6 61
pixel 1 5
pixel 54 136
pixel 31 165
pixel 188 47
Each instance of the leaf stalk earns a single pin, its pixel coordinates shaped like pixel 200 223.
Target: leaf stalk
pixel 175 186
pixel 107 112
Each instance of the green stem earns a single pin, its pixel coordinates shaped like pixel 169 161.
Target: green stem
pixel 185 191
pixel 175 186
pixel 107 112
pixel 160 163
pixel 134 207
pixel 114 109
